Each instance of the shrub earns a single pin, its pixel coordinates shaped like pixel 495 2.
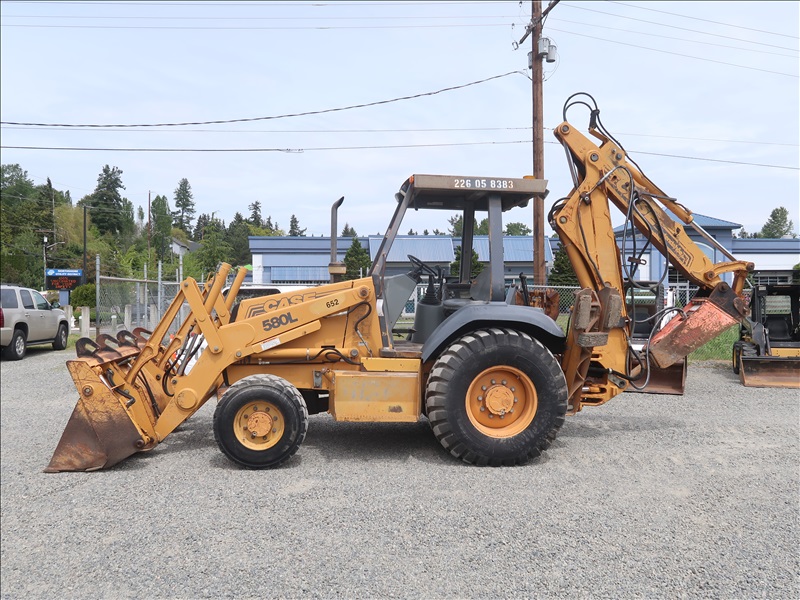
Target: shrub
pixel 83 295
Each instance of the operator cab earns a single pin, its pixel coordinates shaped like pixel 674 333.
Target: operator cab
pixel 467 196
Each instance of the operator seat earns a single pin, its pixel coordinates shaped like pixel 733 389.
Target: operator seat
pixel 479 292
pixel 779 329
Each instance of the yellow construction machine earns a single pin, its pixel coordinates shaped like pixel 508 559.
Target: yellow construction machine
pixel 767 353
pixel 487 366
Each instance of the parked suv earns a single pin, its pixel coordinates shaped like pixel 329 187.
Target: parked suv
pixel 27 318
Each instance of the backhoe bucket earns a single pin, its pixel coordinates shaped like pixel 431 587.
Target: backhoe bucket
pixel 770 371
pixel 671 380
pixel 700 321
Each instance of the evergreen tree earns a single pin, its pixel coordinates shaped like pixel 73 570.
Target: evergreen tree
pixel 475 269
pixel 162 227
pixel 778 224
pixel 184 206
pixel 294 227
pixel 356 260
pixel 202 222
pixel 562 272
pixel 348 231
pixel 237 237
pixel 109 211
pixel 256 220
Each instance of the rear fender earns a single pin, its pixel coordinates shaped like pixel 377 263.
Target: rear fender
pixel 472 317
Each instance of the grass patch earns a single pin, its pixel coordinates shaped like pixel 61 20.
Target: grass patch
pixel 720 348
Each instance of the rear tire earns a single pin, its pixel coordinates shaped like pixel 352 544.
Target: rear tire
pixel 60 343
pixel 260 422
pixel 496 397
pixel 18 346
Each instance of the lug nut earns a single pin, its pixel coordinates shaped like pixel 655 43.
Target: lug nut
pixel 480 398
pixel 483 408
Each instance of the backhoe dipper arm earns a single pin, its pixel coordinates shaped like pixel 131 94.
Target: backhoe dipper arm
pixel 597 368
pixel 605 174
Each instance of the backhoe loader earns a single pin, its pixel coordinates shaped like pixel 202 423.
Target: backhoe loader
pixel 487 366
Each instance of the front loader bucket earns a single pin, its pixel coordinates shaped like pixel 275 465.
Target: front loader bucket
pixel 770 371
pixel 100 432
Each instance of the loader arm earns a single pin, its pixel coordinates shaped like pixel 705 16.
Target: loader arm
pixel 603 175
pixel 136 392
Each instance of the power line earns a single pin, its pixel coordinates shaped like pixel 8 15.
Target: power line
pixel 675 27
pixel 247 28
pixel 283 150
pixel 664 12
pixel 257 18
pixel 371 131
pixel 274 117
pixel 719 62
pixel 382 147
pixel 677 39
pixel 261 4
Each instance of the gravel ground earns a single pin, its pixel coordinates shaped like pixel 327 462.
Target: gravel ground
pixel 649 496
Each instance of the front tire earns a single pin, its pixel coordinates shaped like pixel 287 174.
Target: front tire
pixel 60 343
pixel 16 349
pixel 737 353
pixel 496 397
pixel 260 422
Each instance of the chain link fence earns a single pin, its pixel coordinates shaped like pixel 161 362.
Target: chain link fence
pixel 125 303
pixel 131 303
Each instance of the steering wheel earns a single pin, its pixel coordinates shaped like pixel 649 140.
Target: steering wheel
pixel 420 267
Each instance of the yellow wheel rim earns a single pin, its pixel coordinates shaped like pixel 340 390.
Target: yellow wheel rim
pixel 501 402
pixel 258 425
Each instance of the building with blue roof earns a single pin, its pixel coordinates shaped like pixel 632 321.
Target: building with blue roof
pixel 305 260
pixel 288 259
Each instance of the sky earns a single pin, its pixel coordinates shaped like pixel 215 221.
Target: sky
pixel 703 95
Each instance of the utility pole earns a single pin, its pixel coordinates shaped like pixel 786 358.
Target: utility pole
pixel 534 30
pixel 83 273
pixel 539 274
pixel 148 226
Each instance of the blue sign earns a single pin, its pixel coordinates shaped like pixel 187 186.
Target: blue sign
pixel 63 279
